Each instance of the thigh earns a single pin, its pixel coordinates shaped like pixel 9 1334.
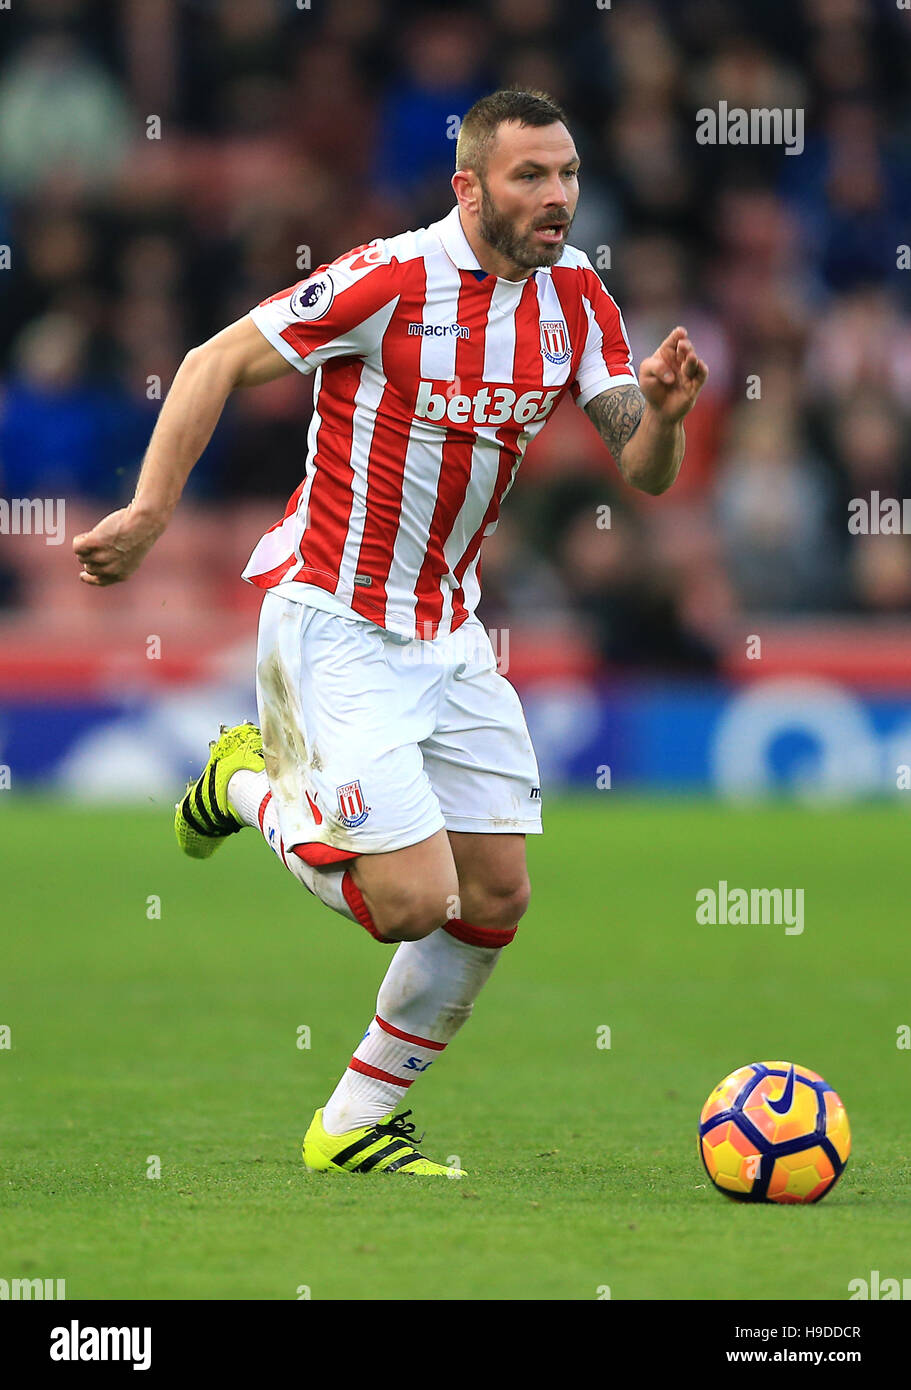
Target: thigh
pixel 341 728
pixel 488 860
pixel 493 877
pixel 409 892
pixel 480 758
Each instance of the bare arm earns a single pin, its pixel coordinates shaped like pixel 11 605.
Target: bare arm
pixel 238 356
pixel 642 426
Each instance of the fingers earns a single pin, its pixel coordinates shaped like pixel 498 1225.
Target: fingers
pixel 658 368
pixel 655 369
pixel 673 354
pixel 672 339
pixel 685 353
pixel 695 370
pixel 676 360
pixel 100 574
pixel 101 561
pixel 85 547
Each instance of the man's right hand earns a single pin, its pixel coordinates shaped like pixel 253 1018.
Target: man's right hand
pixel 238 356
pixel 113 549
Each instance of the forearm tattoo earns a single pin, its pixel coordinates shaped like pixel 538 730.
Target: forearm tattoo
pixel 616 414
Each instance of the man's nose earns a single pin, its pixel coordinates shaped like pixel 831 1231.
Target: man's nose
pixel 556 192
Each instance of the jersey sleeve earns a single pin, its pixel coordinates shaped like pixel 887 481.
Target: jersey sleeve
pixel 340 310
pixel 606 358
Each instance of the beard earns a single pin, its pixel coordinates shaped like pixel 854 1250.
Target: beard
pixel 500 233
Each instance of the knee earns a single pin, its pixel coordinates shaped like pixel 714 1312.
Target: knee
pixel 497 904
pixel 412 913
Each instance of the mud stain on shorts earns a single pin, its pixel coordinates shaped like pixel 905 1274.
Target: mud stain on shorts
pixel 284 745
pixel 288 761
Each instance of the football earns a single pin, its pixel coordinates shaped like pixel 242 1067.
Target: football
pixel 774 1132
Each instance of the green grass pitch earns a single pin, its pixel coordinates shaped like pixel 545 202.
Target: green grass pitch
pixel 176 1036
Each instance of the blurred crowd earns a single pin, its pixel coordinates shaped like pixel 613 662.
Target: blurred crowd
pixel 166 164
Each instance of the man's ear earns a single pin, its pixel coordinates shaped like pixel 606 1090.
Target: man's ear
pixel 467 188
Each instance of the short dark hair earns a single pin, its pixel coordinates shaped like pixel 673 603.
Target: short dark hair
pixel 480 125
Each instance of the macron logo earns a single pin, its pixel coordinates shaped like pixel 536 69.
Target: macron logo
pixel 438 330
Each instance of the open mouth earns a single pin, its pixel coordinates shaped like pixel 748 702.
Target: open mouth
pixel 551 232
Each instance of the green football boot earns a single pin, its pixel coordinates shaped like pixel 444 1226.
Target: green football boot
pixel 387 1147
pixel 204 818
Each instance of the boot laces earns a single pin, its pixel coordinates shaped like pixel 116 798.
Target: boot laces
pixel 402 1128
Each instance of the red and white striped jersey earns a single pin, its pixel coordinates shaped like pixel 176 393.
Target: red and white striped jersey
pixel 431 378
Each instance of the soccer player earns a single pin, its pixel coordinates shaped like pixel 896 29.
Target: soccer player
pixel 394 775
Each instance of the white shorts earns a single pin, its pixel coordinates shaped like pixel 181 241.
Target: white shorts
pixel 374 742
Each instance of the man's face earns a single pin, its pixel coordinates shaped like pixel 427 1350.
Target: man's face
pixel 529 193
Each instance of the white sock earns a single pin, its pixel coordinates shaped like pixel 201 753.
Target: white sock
pixel 252 799
pixel 427 994
pixel 245 793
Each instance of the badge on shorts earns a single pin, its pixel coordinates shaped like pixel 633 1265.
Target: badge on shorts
pixel 352 808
